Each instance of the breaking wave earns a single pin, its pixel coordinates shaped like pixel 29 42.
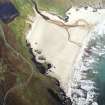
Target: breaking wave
pixel 84 89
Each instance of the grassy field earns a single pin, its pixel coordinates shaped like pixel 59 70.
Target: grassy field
pixel 61 6
pixel 55 6
pixel 19 26
pixel 36 92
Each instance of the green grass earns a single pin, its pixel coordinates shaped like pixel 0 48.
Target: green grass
pixel 55 6
pixel 19 25
pixel 36 92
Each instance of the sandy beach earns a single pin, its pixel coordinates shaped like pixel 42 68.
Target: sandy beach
pixel 54 42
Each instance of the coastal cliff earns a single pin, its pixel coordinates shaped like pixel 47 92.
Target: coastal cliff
pixel 21 83
pixel 50 55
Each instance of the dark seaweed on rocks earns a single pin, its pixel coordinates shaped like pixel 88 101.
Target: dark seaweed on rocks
pixel 60 97
pixel 42 69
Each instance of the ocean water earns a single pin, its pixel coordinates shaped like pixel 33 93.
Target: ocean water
pixel 88 85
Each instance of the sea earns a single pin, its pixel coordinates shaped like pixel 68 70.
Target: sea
pixel 88 82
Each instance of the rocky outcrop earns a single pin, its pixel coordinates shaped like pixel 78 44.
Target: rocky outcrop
pixel 16 87
pixel 59 95
pixel 21 83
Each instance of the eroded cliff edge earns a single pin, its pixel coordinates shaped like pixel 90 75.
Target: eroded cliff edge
pixel 20 80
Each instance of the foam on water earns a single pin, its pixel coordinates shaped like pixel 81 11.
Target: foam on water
pixel 84 90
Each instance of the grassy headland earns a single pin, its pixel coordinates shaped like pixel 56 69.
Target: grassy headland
pixel 16 65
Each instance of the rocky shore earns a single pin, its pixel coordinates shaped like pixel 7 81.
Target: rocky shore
pixel 60 95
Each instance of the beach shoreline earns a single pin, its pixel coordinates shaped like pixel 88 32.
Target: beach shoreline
pixel 56 48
